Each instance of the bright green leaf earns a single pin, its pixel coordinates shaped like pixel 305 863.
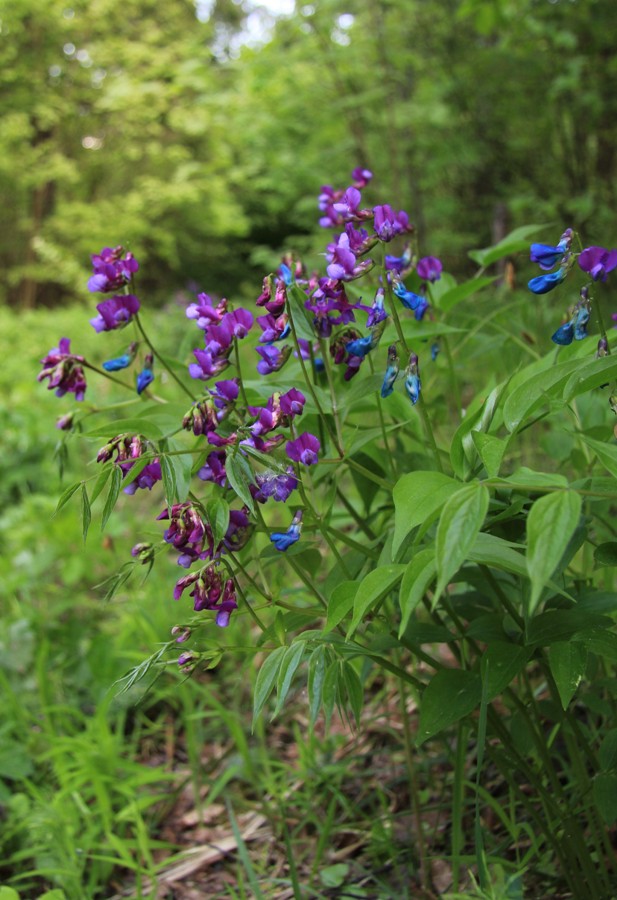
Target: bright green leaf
pixel 567 660
pixel 550 525
pixel 461 519
pixel 266 678
pixel 372 589
pixel 418 575
pixel 417 497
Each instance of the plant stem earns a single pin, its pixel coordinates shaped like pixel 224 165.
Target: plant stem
pixel 160 358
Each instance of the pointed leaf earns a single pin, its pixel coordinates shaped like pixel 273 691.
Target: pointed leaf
pixel 515 242
pixel 456 295
pixel 505 661
pixel 450 695
pixel 354 690
pixel 491 450
pixel 217 514
pixel 101 481
pixel 316 677
pixel 373 588
pixel 418 575
pixel 66 495
pixel 86 512
pixel 550 525
pixel 112 496
pixel 239 476
pixel 289 664
pixel 340 603
pixel 169 480
pixel 266 678
pixel 568 661
pixel 461 519
pixel 417 497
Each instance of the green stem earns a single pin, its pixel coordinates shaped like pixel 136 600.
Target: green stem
pixel 156 354
pixel 328 368
pixel 360 522
pixel 429 432
pixel 382 424
pixel 239 371
pixel 456 390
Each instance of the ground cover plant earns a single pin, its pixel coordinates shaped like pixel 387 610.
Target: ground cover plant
pixel 392 488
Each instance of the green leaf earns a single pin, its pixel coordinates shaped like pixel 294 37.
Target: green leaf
pixel 606 554
pixel 417 497
pixel 289 664
pixel 340 603
pixel 66 495
pixel 450 695
pixel 101 481
pixel 567 660
pixel 169 479
pixel 7 893
pixel 266 678
pixel 316 677
pixel 558 625
pixel 590 374
pixel 456 295
pixel 353 688
pixel 330 690
pixel 217 514
pixel 138 466
pixel 606 453
pixel 491 450
pixel 373 588
pixel 550 525
pixel 515 242
pixel 461 519
pixel 418 575
pixel 490 550
pixel 86 512
pixel 532 393
pixel 529 480
pixel 605 796
pixel 182 464
pixel 607 753
pixel 135 425
pixel 240 476
pixel 505 661
pixel 112 496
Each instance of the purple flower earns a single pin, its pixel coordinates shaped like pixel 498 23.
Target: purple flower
pixel 115 312
pixel 598 262
pixel 111 270
pixel 209 593
pixel 361 177
pixel 272 359
pixel 542 284
pixel 276 485
pixel 208 365
pixel 344 265
pixel 304 449
pixel 388 223
pixel 204 312
pixel 214 468
pixel 240 322
pixel 400 264
pixel 283 540
pixel 377 313
pixel 148 476
pixel 429 268
pixel 274 329
pixel 546 255
pixel 64 371
pixel 348 205
pixel 292 404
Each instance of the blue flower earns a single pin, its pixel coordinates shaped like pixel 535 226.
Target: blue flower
pixel 392 371
pixel 580 324
pixel 285 273
pixel 121 362
pixel 283 540
pixel 408 298
pixel 360 347
pixel 146 376
pixel 542 284
pixel 413 384
pixel 564 334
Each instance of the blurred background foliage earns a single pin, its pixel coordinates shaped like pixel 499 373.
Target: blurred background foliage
pixel 198 134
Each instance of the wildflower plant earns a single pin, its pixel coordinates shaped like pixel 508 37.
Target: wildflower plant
pixel 333 476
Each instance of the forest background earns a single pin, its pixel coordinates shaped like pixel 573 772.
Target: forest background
pixel 198 136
